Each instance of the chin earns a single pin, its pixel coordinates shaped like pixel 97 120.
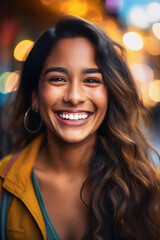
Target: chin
pixel 73 140
pixel 71 137
pixel 78 138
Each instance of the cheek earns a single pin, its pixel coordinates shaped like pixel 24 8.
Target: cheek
pixel 49 96
pixel 100 98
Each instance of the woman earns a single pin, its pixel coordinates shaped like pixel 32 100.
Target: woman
pixel 83 170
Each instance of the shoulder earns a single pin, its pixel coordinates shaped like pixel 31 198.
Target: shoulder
pixel 3 165
pixel 4 162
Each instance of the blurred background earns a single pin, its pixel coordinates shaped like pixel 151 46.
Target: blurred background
pixel 135 24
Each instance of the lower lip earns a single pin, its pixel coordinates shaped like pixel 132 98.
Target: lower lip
pixel 72 123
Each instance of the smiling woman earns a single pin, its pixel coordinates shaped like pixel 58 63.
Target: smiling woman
pixel 71 95
pixel 80 166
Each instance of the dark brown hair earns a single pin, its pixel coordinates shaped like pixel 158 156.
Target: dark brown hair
pixel 124 182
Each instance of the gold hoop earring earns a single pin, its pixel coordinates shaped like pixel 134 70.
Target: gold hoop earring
pixel 31 110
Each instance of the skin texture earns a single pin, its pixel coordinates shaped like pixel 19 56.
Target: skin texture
pixel 63 161
pixel 72 91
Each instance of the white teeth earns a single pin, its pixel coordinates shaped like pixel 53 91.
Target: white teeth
pixel 71 116
pixel 74 116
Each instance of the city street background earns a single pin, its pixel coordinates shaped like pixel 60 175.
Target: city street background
pixel 135 24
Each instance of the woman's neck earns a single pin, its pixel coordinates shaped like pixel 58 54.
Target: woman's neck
pixel 66 158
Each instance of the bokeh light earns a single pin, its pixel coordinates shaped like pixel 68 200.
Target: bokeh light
pixel 142 73
pixel 22 50
pixel 75 7
pixel 3 79
pixel 138 17
pixel 9 82
pixel 154 90
pixel 146 98
pixel 153 11
pixel 12 82
pixel 114 6
pixel 156 30
pixel 133 41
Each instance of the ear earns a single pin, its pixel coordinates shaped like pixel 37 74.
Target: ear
pixel 35 101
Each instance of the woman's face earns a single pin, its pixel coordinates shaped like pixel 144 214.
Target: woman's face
pixel 72 97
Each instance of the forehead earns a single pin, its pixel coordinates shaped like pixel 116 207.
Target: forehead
pixel 79 42
pixel 78 47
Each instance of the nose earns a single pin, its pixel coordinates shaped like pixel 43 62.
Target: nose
pixel 74 94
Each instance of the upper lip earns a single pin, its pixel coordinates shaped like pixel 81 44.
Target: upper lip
pixel 74 110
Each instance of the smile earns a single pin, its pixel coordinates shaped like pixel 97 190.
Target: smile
pixel 74 116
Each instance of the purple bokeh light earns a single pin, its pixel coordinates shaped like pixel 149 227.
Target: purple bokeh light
pixel 114 6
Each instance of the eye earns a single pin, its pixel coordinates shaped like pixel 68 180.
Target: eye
pixel 92 80
pixel 56 79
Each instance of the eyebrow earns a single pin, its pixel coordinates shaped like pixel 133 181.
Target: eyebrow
pixel 91 70
pixel 56 69
pixel 64 70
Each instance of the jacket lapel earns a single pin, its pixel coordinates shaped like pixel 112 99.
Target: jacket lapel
pixel 17 180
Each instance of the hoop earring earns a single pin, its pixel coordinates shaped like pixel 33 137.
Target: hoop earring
pixel 25 121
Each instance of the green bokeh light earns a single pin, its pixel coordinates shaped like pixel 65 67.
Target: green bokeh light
pixel 3 80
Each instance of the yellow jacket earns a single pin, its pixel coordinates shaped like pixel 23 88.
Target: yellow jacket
pixel 24 219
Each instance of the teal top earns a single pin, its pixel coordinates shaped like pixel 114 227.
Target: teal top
pixel 4 204
pixel 50 229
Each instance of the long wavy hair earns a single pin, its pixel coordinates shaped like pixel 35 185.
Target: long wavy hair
pixel 123 180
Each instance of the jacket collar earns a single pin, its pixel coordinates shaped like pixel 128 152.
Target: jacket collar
pixel 17 180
